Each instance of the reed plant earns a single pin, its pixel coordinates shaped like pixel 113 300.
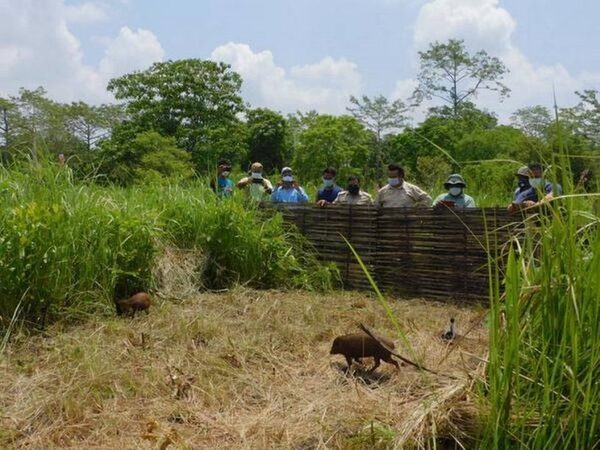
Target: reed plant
pixel 69 246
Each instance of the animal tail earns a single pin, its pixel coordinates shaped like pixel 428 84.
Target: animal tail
pixel 400 357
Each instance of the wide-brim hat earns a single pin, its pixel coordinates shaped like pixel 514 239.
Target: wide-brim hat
pixel 455 180
pixel 523 171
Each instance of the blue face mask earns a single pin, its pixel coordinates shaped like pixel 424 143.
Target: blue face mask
pixel 327 182
pixel 288 178
pixel 394 181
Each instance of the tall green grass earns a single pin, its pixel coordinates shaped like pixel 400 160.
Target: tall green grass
pixel 68 246
pixel 544 365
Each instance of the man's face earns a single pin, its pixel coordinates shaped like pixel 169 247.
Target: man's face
pixel 224 168
pixel 287 173
pixel 394 174
pixel 536 173
pixel 328 176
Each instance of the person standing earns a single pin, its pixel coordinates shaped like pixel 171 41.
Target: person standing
pixel 330 190
pixel 223 185
pixel 288 190
pixel 353 195
pixel 455 197
pixel 398 193
pixel 257 186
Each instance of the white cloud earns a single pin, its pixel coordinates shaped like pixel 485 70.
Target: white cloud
pixel 324 86
pixel 37 48
pixel 484 24
pixel 88 12
pixel 131 50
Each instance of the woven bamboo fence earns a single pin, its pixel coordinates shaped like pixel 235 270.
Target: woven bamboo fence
pixel 431 253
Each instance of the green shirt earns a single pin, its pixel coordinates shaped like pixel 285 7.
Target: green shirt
pixel 462 201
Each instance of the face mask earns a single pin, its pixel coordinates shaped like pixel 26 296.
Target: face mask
pixel 535 182
pixel 327 183
pixel 353 189
pixel 394 181
pixel 256 175
pixel 455 191
pixel 288 178
pixel 225 174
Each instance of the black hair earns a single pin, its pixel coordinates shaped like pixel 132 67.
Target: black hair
pixel 398 167
pixel 330 170
pixel 353 178
pixel 224 162
pixel 536 166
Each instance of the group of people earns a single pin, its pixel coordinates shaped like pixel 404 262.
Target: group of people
pixel 532 189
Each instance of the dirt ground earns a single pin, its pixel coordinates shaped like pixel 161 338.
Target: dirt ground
pixel 242 369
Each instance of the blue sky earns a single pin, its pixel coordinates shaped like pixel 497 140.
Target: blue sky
pixel 299 55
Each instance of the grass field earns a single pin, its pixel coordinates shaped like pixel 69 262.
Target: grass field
pixel 241 369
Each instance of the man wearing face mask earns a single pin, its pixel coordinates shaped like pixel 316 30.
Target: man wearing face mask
pixel 353 195
pixel 223 185
pixel 330 190
pixel 399 193
pixel 455 197
pixel 525 195
pixel 537 181
pixel 288 190
pixel 255 184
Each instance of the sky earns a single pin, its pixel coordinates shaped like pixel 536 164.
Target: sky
pixel 300 55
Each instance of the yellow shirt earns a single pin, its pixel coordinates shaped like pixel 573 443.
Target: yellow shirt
pixel 405 195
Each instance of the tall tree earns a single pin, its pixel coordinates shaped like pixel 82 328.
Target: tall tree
pixel 533 120
pixel 381 117
pixel 452 74
pixel 266 137
pixel 341 142
pixel 185 99
pixel 89 123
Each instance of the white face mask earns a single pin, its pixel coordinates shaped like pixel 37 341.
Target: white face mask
pixel 288 178
pixel 455 191
pixel 225 174
pixel 257 175
pixel 535 182
pixel 394 181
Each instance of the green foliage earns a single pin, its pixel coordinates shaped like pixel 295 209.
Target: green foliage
pixel 450 73
pixel 67 246
pixel 544 339
pixel 532 120
pixel 149 156
pixel 193 100
pixel 341 142
pixel 267 132
pixel 500 142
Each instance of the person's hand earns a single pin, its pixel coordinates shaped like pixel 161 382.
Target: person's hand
pixel 528 203
pixel 322 203
pixel 295 184
pixel 279 183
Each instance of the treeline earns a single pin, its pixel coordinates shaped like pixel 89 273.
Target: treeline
pixel 177 118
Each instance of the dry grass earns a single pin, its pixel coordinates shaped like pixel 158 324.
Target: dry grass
pixel 241 369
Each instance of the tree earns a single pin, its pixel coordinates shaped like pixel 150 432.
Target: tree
pixel 266 137
pixel 379 116
pixel 533 120
pixel 450 73
pixel 341 142
pixel 584 118
pixel 89 124
pixel 149 156
pixel 185 99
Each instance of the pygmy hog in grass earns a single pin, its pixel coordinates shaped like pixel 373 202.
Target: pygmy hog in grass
pixel 360 345
pixel 137 302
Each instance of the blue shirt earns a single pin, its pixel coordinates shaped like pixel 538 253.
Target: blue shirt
pixel 290 195
pixel 329 194
pixel 531 194
pixel 224 187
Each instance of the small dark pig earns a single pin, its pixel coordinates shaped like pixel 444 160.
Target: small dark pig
pixel 360 345
pixel 137 302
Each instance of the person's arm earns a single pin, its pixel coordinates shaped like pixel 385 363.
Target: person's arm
pixel 438 199
pixel 243 182
pixel 470 203
pixel 302 196
pixel 275 196
pixel 422 198
pixel 268 186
